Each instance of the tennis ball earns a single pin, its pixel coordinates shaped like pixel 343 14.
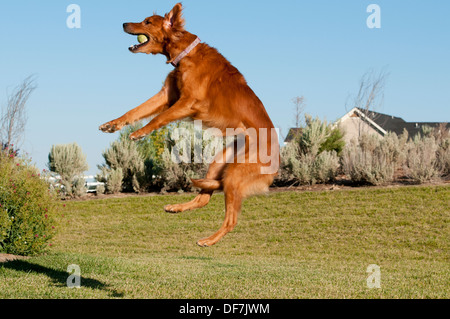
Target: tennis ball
pixel 142 38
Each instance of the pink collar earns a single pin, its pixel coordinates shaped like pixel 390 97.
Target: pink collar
pixel 185 52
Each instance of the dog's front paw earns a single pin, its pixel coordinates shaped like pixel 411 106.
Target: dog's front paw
pixel 136 136
pixel 111 126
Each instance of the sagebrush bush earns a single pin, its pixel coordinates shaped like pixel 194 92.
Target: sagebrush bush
pixel 374 160
pixel 148 165
pixel 171 173
pixel 442 136
pixel 312 156
pixel 150 148
pixel 113 179
pixel 101 189
pixel 27 208
pixel 69 162
pixel 79 187
pixel 326 166
pixel 313 135
pixel 443 157
pixel 421 161
pixel 289 164
pixel 177 176
pixel 123 154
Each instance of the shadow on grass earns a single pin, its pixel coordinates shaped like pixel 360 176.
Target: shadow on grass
pixel 58 276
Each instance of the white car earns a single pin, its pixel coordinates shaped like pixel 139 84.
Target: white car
pixel 92 184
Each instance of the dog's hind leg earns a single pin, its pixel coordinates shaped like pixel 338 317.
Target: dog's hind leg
pixel 213 176
pixel 199 201
pixel 240 181
pixel 233 202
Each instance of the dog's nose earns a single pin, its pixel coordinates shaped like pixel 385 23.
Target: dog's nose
pixel 125 25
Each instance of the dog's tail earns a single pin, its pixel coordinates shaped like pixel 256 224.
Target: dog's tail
pixel 207 184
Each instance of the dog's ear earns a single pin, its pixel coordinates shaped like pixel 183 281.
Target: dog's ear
pixel 174 19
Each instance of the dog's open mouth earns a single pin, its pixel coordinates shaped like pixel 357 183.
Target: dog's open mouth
pixel 142 39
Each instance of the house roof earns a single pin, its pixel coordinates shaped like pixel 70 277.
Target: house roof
pixel 395 124
pixel 382 123
pixel 293 132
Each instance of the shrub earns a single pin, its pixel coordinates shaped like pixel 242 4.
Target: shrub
pixel 177 176
pixel 443 157
pixel 113 179
pixel 422 164
pixel 151 149
pixel 100 189
pixel 151 146
pixel 123 154
pixel 374 160
pixel 334 141
pixel 170 175
pixel 364 166
pixel 326 166
pixel 79 187
pixel 307 168
pixel 289 164
pixel 69 162
pixel 27 207
pixel 147 164
pixel 312 156
pixel 442 136
pixel 313 135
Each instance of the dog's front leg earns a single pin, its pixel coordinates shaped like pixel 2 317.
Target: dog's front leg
pixel 168 96
pixel 183 108
pixel 154 105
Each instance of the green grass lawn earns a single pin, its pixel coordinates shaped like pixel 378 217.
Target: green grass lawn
pixel 286 245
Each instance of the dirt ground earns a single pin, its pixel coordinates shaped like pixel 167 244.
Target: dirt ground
pixel 339 184
pixel 8 257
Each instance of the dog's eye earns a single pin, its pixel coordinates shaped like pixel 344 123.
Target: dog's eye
pixel 148 22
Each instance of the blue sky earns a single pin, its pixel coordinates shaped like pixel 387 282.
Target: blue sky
pixel 318 49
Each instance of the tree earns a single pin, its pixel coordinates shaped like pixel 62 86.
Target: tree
pixel 370 95
pixel 299 107
pixel 13 117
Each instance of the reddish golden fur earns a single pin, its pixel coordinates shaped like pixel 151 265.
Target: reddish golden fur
pixel 204 86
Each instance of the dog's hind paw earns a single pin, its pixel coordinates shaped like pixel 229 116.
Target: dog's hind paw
pixel 173 209
pixel 205 242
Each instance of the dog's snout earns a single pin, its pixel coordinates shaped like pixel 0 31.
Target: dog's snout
pixel 125 26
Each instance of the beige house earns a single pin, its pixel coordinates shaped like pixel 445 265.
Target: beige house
pixel 359 121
